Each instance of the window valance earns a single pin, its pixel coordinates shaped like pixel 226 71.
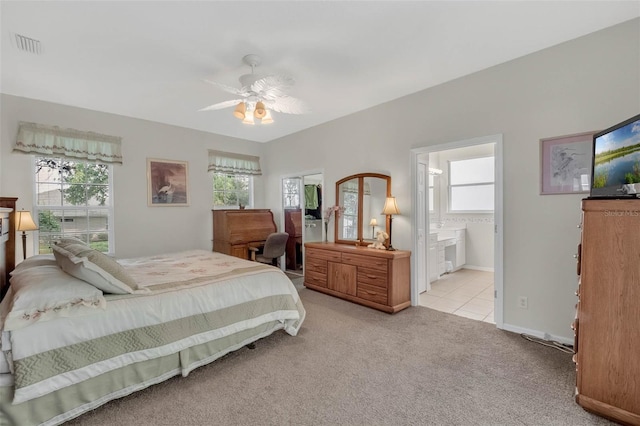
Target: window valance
pixel 36 138
pixel 234 164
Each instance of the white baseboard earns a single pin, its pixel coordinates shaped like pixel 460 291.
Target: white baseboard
pixel 478 268
pixel 538 334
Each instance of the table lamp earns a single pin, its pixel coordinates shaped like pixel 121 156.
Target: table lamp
pixel 390 208
pixel 373 225
pixel 24 222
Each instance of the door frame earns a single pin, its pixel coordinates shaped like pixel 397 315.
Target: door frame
pixel 498 247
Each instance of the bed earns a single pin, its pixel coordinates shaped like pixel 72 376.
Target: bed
pixel 71 342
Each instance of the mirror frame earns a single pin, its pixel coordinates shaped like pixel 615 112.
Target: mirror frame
pixel 360 241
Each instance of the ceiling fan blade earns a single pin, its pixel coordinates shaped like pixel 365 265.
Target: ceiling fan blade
pixel 287 105
pixel 272 86
pixel 221 105
pixel 229 89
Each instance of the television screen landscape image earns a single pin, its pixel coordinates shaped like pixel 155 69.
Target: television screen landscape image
pixel 616 158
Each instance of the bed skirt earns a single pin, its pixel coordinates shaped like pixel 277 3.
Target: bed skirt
pixel 70 402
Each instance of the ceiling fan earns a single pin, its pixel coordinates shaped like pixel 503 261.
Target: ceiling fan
pixel 258 95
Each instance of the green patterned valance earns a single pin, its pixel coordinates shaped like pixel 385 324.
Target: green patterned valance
pixel 234 164
pixel 40 139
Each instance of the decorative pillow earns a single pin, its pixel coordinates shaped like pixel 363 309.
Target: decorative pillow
pixel 96 268
pixel 69 240
pixel 46 292
pixel 37 260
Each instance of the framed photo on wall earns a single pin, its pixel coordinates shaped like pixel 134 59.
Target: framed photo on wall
pixel 565 164
pixel 167 183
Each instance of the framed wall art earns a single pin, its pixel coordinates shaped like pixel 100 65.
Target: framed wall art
pixel 565 164
pixel 167 183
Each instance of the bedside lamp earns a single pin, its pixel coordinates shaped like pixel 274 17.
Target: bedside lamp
pixel 24 222
pixel 390 208
pixel 373 225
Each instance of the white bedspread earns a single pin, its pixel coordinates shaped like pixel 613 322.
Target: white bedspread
pixel 184 287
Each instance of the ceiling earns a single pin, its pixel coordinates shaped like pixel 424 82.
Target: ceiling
pixel 149 59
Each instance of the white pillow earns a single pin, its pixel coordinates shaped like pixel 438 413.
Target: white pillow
pixel 96 268
pixel 37 260
pixel 46 292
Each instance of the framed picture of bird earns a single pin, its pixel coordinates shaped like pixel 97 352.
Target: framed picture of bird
pixel 167 183
pixel 565 164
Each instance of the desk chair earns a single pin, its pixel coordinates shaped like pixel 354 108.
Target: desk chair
pixel 273 248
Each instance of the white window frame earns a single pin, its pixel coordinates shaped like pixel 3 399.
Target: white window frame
pixel 467 185
pixel 38 208
pixel 234 175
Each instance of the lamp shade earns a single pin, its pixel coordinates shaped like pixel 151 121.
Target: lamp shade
pixel 240 110
pixel 390 206
pixel 373 222
pixel 24 221
pixel 267 119
pixel 259 112
pixel 248 119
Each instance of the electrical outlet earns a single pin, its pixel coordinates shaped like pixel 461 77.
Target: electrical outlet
pixel 523 302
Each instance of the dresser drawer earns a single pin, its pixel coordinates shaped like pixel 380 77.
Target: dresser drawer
pixel 372 293
pixel 372 277
pixel 312 253
pixel 316 265
pixel 365 261
pixel 315 278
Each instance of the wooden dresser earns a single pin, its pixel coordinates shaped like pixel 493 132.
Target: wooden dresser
pixel 7 241
pixel 607 324
pixel 234 231
pixel 376 278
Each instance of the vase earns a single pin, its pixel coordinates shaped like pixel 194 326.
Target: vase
pixel 326 232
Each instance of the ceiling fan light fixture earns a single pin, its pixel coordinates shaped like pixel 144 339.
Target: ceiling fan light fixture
pixel 240 111
pixel 259 112
pixel 248 119
pixel 267 119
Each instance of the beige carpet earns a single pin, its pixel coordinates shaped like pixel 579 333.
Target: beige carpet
pixel 352 365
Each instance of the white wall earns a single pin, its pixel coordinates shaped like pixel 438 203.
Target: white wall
pixel 139 229
pixel 585 84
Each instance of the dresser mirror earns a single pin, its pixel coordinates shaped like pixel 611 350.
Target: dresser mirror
pixel 361 198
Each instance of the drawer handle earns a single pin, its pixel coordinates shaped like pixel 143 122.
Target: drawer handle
pixel 373 277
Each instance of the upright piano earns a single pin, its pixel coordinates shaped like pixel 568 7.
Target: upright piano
pixel 293 227
pixel 234 231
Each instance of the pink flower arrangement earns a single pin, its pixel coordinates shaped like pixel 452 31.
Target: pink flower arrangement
pixel 328 213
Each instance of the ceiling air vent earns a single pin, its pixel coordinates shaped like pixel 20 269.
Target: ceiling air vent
pixel 27 44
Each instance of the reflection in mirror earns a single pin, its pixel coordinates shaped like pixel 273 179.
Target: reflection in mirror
pixel 348 220
pixel 361 198
pixel 373 196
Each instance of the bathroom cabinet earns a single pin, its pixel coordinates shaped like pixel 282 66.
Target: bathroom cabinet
pixel 607 341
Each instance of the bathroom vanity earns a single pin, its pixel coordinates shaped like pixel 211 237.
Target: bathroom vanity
pixel 447 248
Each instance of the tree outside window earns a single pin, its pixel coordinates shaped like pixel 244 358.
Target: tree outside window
pixel 73 200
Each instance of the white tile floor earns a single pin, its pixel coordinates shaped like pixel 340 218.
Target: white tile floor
pixel 467 293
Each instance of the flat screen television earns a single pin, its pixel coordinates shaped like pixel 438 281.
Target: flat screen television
pixel 616 161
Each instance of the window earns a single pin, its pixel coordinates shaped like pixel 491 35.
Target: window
pixel 232 190
pixel 73 199
pixel 471 185
pixel 291 192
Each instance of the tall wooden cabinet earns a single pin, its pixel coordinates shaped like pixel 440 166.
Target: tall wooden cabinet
pixel 607 324
pixel 376 278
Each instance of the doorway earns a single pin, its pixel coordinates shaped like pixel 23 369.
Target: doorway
pixel 458 234
pixel 302 205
